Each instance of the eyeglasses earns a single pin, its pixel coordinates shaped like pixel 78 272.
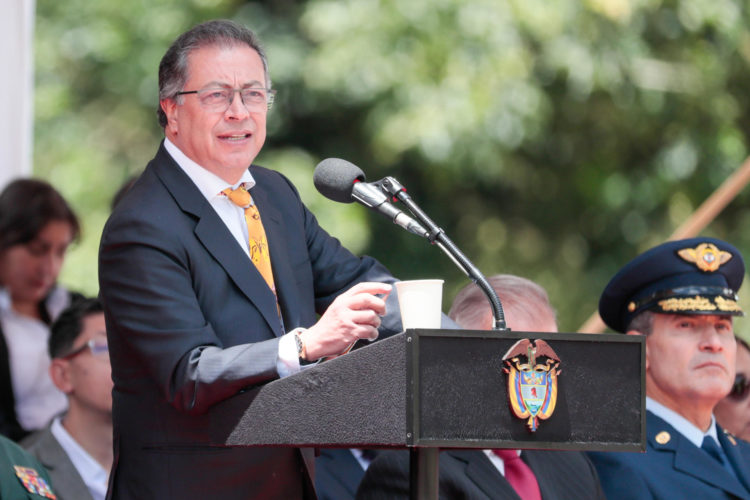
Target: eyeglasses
pixel 740 387
pixel 219 99
pixel 98 348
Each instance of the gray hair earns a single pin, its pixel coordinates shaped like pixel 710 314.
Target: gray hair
pixel 520 296
pixel 643 323
pixel 173 66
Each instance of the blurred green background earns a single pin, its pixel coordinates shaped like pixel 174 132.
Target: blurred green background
pixel 554 139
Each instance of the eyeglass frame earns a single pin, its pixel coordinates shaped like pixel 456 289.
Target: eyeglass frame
pixel 269 98
pixel 740 388
pixel 97 349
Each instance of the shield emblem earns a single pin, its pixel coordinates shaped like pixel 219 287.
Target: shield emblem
pixel 532 380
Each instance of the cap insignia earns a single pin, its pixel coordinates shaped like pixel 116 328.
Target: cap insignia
pixel 706 256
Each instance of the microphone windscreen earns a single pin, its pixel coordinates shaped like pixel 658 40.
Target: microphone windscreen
pixel 334 178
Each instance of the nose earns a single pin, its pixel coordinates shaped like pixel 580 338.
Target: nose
pixel 711 339
pixel 237 109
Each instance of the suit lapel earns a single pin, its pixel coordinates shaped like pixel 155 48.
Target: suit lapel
pixel 284 280
pixel 691 460
pixel 216 238
pixel 483 474
pixel 62 472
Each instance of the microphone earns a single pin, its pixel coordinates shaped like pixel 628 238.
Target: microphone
pixel 342 181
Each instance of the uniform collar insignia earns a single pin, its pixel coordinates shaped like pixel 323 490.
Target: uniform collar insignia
pixel 706 256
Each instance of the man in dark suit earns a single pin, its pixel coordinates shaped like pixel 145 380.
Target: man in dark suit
pixel 682 296
pixel 484 474
pixel 212 275
pixel 338 472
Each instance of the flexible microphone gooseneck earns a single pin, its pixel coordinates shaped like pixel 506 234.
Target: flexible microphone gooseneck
pixel 342 181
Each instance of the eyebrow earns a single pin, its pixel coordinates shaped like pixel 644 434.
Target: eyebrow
pixel 213 84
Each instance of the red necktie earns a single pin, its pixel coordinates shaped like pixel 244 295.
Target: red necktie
pixel 519 475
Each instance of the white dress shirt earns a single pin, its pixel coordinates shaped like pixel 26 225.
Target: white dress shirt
pixel 233 216
pixel 37 399
pixel 93 474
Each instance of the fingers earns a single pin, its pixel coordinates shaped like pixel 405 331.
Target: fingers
pixel 355 314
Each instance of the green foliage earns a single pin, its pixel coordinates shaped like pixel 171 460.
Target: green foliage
pixel 551 139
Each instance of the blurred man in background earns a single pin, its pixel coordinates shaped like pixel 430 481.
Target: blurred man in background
pixel 77 448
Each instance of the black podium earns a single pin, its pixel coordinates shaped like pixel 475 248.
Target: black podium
pixel 429 389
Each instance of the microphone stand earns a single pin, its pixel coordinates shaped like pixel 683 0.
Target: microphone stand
pixel 438 237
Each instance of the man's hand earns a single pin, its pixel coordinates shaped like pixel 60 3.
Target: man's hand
pixel 354 315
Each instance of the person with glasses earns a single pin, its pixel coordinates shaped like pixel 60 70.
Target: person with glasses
pixel 76 448
pixel 733 412
pixel 682 296
pixel 215 279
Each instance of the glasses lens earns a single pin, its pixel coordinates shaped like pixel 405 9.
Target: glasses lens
pixel 215 98
pixel 99 348
pixel 255 99
pixel 740 387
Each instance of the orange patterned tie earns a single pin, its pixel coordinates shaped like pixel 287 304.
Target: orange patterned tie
pixel 256 234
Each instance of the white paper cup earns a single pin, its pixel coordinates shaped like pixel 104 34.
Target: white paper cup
pixel 420 302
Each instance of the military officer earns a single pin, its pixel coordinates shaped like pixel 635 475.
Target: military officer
pixel 21 476
pixel 682 296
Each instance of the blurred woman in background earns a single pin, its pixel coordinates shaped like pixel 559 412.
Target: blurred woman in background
pixel 36 228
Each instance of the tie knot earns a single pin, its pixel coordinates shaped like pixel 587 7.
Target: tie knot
pixel 240 196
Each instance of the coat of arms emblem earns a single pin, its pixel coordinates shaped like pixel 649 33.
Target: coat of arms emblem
pixel 532 370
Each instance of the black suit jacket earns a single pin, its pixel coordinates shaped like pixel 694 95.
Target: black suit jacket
pixel 191 323
pixel 469 474
pixel 337 474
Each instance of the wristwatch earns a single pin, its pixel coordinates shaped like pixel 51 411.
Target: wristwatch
pixel 301 351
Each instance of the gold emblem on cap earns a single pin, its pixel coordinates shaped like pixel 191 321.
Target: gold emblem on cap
pixel 631 307
pixel 706 256
pixel 663 437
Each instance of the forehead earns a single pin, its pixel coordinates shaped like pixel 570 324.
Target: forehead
pixel 235 65
pixel 93 326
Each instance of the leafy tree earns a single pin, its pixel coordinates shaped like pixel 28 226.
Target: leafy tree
pixel 554 140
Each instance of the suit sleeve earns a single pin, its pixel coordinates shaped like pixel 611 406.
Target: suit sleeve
pixel 618 479
pixel 386 478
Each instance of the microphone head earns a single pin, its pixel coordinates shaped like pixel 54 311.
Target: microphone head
pixel 334 178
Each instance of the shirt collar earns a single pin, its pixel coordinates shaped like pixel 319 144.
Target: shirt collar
pixel 89 469
pixel 209 184
pixel 681 424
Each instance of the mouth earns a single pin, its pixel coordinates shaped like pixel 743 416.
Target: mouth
pixel 711 364
pixel 235 137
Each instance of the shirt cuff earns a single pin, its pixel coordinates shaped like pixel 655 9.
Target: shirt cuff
pixel 288 361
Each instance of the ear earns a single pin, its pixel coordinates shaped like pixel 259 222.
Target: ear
pixel 59 372
pixel 170 108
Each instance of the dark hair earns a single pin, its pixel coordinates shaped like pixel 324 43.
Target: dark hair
pixel 69 325
pixel 26 207
pixel 173 67
pixel 643 323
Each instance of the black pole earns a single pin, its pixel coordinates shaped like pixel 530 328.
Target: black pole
pixel 423 473
pixel 438 237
